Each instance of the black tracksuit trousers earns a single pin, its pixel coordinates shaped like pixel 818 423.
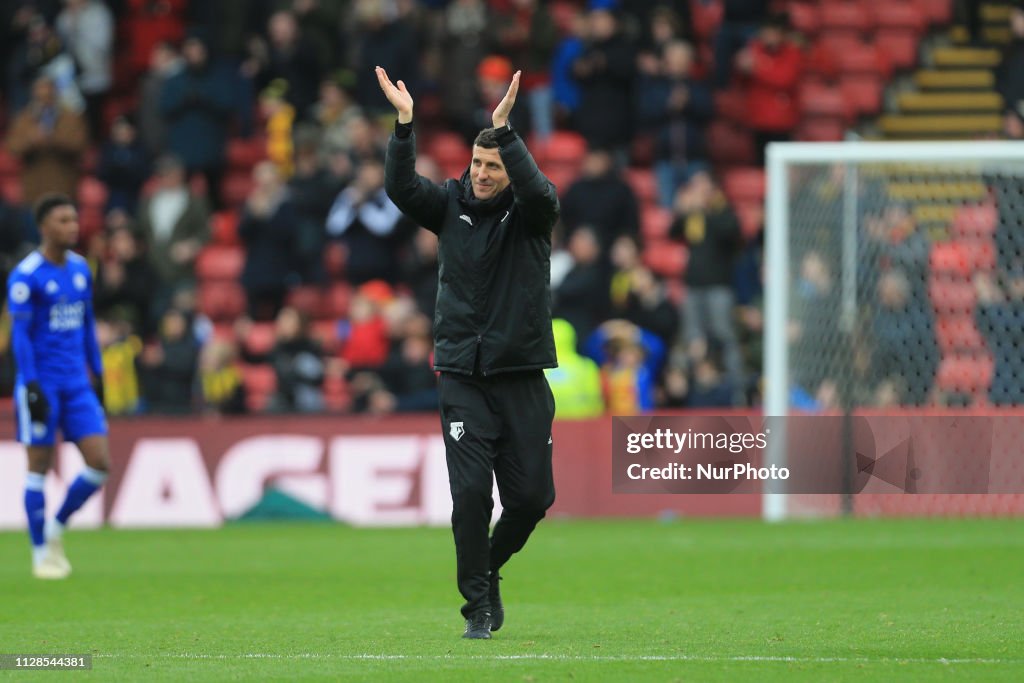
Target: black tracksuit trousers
pixel 495 428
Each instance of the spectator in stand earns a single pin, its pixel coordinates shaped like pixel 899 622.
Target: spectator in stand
pixel 164 62
pixel 605 72
pixel 123 167
pixel 370 226
pixel 41 54
pixel 174 225
pixel 576 382
pixel 1010 72
pixel 773 66
pixel 87 28
pixel 408 380
pixel 312 190
pixel 564 88
pixel 419 269
pixel 49 141
pixel 125 279
pixel 706 223
pixel 169 367
pixel 149 23
pixel 1000 319
pixel 333 112
pixel 493 76
pixel 627 366
pixel 581 297
pixel 740 22
pixel 464 45
pixel 814 322
pixel 903 333
pixel 298 364
pixel 676 109
pixel 384 36
pixel 292 58
pixel 602 199
pixel 221 380
pixel 280 117
pixel 17 236
pixel 710 388
pixel 267 230
pixel 320 22
pixel 119 348
pixel 197 104
pixel 647 306
pixel 526 33
pixel 364 336
pixel 893 241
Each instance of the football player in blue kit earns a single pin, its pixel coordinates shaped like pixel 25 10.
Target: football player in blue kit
pixel 53 336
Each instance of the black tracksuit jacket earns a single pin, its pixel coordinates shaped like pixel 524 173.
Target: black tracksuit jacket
pixel 494 260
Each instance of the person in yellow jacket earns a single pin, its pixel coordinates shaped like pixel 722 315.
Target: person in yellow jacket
pixel 576 382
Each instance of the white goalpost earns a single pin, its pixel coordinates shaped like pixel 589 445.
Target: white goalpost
pixel 874 245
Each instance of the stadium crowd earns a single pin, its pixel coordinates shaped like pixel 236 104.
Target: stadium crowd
pixel 228 161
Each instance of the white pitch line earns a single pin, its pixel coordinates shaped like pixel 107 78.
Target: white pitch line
pixel 564 658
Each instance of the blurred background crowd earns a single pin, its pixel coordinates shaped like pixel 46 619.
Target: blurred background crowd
pixel 227 158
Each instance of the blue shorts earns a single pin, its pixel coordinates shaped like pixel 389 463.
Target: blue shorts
pixel 74 409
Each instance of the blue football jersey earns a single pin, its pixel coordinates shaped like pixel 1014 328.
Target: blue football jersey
pixel 55 302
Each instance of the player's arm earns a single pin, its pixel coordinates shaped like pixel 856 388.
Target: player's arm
pixel 535 195
pixel 416 196
pixel 19 302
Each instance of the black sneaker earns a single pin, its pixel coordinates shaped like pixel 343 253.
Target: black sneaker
pixel 478 626
pixel 497 609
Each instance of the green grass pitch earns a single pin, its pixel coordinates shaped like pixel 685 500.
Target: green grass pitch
pixel 587 601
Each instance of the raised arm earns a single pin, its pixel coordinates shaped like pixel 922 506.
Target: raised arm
pixel 416 196
pixel 534 194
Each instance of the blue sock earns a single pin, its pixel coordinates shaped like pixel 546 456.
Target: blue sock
pixel 84 485
pixel 35 506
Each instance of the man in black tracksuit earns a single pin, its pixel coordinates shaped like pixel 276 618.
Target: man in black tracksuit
pixel 493 339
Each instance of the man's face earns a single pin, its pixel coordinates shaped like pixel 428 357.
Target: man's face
pixel 60 227
pixel 487 173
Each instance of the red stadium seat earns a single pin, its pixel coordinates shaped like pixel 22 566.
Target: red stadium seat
pixel 900 15
pixel 236 187
pixel 845 15
pixel 92 192
pixel 337 301
pixel 326 332
pixel 900 46
pixel 12 189
pixel 449 149
pixel 823 101
pixel 978 220
pixel 225 227
pixel 243 153
pixel 564 147
pixel 730 144
pixel 336 394
pixel 260 384
pixel 950 258
pixel 562 178
pixel 863 92
pixel 744 184
pixel 10 165
pixel 966 373
pixel 862 58
pixel 655 223
pixel 804 17
pixel 220 263
pixel 952 296
pixel 707 17
pixel 958 333
pixel 667 259
pixel 732 105
pixel 221 301
pixel 260 339
pixel 306 298
pixel 751 217
pixel 821 130
pixel 644 184
pixel 335 258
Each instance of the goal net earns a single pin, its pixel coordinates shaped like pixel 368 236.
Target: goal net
pixel 894 280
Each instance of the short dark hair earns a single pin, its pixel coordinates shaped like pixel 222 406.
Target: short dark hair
pixel 48 203
pixel 487 139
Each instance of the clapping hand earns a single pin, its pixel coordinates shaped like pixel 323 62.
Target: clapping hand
pixel 398 96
